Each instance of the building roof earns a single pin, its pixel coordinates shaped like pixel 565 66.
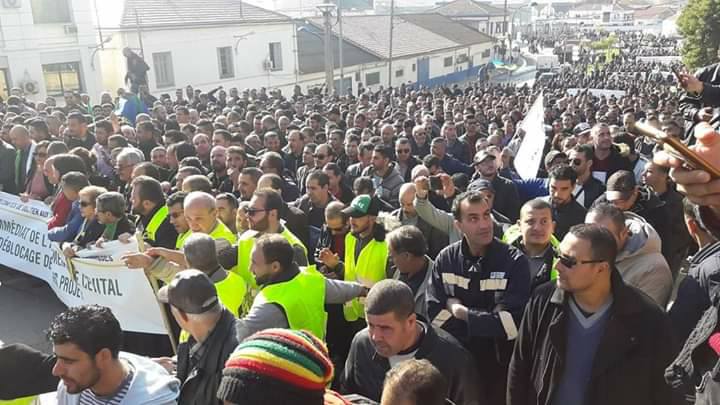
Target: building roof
pixel 655 12
pixel 413 34
pixel 171 13
pixel 468 8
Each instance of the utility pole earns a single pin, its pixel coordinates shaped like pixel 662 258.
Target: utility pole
pixel 505 27
pixel 326 10
pixel 341 90
pixel 390 53
pixel 99 27
pixel 139 34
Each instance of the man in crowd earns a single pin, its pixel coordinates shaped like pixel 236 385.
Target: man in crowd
pixel 638 259
pixel 24 160
pixel 463 296
pixel 408 251
pixel 148 201
pixel 607 159
pixel 507 200
pixel 435 239
pixel 384 174
pixel 218 163
pixel 589 338
pixel 395 334
pixel 587 187
pixel 566 211
pixel 316 198
pixel 86 342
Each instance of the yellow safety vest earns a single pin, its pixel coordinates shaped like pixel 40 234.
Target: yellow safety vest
pixel 20 401
pixel 369 269
pixel 180 242
pixel 155 223
pixel 232 293
pixel 303 300
pixel 221 231
pixel 245 245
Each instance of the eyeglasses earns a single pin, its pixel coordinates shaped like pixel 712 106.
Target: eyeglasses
pixel 85 204
pixel 252 211
pixel 570 262
pixel 576 162
pixel 402 151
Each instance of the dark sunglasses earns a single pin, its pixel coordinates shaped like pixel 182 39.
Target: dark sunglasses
pixel 570 262
pixel 252 211
pixel 576 162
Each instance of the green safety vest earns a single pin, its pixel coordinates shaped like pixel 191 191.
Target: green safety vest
pixel 232 293
pixel 20 401
pixel 221 231
pixel 155 223
pixel 369 269
pixel 303 300
pixel 180 242
pixel 245 245
pixel 513 233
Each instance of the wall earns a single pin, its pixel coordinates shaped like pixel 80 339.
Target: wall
pixel 26 46
pixel 195 56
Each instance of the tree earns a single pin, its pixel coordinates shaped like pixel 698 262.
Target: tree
pixel 699 24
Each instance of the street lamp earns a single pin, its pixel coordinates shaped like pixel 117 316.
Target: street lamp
pixel 326 9
pixel 512 18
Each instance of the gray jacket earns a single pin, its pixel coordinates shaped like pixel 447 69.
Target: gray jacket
pixel 421 293
pixel 389 187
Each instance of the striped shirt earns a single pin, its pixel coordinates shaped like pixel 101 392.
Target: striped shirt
pixel 88 397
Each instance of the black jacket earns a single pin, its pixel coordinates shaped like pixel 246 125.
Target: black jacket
pixel 7 168
pixel 566 216
pixel 200 371
pixel 365 369
pixel 629 362
pixel 691 104
pixel 165 236
pixel 592 189
pixel 678 244
pixel 616 162
pixel 25 371
pixel 434 238
pixel 695 373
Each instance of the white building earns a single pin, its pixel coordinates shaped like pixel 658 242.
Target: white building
pixel 481 16
pixel 227 43
pixel 47 48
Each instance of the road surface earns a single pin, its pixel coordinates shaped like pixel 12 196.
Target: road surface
pixel 27 305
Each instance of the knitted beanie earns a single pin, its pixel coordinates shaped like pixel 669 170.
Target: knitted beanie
pixel 277 365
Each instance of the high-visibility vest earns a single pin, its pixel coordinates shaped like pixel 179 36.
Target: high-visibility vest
pixel 155 222
pixel 513 233
pixel 232 293
pixel 245 245
pixel 21 401
pixel 369 269
pixel 221 231
pixel 302 299
pixel 180 242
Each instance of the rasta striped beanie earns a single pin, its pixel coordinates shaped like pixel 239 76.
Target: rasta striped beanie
pixel 277 365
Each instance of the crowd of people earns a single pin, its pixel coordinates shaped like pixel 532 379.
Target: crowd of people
pixel 382 248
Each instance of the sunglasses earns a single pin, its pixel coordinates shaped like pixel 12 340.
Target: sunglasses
pixel 576 162
pixel 252 211
pixel 570 262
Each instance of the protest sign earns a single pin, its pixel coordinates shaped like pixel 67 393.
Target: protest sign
pixel 530 154
pixel 100 276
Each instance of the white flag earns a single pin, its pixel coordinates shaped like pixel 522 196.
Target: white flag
pixel 530 153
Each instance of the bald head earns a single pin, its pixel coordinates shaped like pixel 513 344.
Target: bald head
pixel 199 199
pixel 270 180
pixel 407 196
pixel 200 212
pixel 200 253
pixel 20 137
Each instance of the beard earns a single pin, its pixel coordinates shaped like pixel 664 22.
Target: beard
pixel 261 225
pixel 73 387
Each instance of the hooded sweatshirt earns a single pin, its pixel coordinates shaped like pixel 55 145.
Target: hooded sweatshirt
pixel 641 262
pixel 150 384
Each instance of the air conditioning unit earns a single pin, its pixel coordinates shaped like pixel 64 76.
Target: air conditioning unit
pixel 268 64
pixel 70 28
pixel 30 87
pixel 12 3
pixel 461 59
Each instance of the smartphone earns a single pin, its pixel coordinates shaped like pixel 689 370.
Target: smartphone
pixel 678 149
pixel 435 183
pixel 676 72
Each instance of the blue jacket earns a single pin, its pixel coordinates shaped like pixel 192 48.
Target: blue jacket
pixel 495 288
pixel 450 165
pixel 67 232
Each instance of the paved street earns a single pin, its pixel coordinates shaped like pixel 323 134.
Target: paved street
pixel 27 305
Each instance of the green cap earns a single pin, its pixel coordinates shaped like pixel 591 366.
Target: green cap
pixel 361 206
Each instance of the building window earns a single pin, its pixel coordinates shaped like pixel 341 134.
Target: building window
pixel 413 67
pixel 372 79
pixel 61 78
pixel 447 62
pixel 400 73
pixel 357 76
pixel 275 56
pixel 225 62
pixel 50 11
pixel 162 63
pixel 486 53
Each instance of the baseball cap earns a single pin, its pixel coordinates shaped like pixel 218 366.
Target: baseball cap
pixel 552 155
pixel 581 128
pixel 190 291
pixel 482 156
pixel 620 185
pixel 361 206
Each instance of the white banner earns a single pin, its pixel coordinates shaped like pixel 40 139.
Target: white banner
pixel 100 276
pixel 530 153
pixel 599 92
